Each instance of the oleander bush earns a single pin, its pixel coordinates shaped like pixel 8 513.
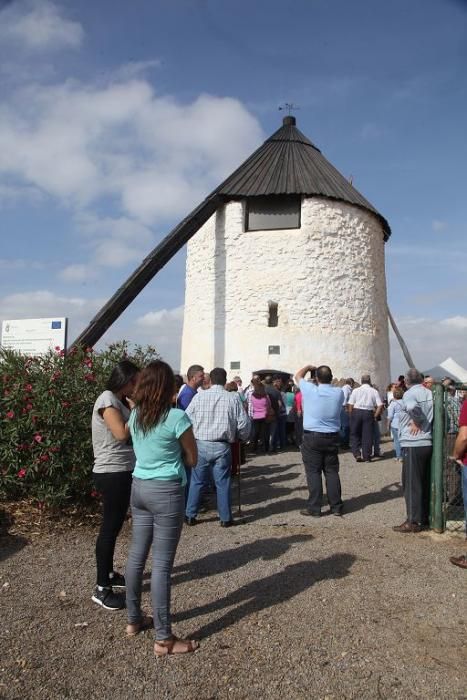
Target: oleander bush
pixel 45 421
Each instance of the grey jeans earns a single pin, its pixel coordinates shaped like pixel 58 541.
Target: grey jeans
pixel 157 512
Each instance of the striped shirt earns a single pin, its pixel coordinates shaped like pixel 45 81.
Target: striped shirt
pixel 217 415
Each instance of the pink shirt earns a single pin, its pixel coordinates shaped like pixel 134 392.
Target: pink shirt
pixel 260 406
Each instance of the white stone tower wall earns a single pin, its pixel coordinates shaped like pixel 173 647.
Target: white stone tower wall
pixel 328 278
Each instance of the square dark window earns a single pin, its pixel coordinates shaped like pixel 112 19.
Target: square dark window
pixel 273 212
pixel 274 350
pixel 235 365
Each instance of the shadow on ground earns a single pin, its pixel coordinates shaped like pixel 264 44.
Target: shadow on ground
pixel 387 493
pixel 11 544
pixel 268 592
pixel 231 559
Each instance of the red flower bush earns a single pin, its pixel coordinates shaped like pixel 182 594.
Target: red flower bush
pixel 45 421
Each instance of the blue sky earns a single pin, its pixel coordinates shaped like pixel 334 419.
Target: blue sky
pixel 117 118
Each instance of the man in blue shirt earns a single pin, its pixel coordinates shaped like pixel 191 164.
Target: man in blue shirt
pixel 195 377
pixel 322 405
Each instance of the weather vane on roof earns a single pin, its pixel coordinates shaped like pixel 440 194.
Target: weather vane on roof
pixel 289 107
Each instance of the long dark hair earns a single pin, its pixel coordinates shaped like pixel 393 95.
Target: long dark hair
pixel 121 374
pixel 153 394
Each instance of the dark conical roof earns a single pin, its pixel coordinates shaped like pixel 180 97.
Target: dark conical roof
pixel 288 163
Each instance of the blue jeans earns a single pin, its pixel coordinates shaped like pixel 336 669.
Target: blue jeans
pixel 214 461
pixel 397 444
pixel 280 436
pixel 157 515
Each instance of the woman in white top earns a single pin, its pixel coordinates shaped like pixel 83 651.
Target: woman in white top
pixel 114 461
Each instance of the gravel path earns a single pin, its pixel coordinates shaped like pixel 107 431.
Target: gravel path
pixel 284 605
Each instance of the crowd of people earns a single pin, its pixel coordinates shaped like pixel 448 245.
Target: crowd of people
pixel 161 443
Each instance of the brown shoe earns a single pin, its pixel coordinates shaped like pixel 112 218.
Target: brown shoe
pixel 407 527
pixel 459 561
pixel 174 645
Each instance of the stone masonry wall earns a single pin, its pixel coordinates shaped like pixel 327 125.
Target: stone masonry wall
pixel 328 278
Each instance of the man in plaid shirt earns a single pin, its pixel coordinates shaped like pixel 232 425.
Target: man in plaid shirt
pixel 218 419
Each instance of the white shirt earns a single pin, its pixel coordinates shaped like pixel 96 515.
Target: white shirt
pixel 365 397
pixel 347 389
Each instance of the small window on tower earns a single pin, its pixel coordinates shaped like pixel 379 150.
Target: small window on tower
pixel 273 212
pixel 273 317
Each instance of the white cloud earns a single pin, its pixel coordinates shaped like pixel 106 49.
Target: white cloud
pixel 44 303
pixel 11 264
pixel 77 273
pixel 163 329
pixel 459 322
pixel 114 242
pixel 439 226
pixel 11 194
pixel 39 25
pixel 430 341
pixel 154 156
pixel 40 302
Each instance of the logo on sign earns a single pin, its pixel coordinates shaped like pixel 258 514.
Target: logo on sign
pixel 56 324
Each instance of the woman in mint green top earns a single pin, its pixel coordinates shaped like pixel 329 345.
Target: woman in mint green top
pixel 159 451
pixel 164 444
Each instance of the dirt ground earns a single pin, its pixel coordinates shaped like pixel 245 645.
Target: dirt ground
pixel 283 605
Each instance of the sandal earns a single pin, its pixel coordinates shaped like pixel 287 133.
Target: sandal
pixel 134 628
pixel 164 647
pixel 459 561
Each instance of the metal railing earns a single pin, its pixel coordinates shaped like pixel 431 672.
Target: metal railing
pixel 446 501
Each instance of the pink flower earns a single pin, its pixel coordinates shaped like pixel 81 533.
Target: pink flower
pixel 38 437
pixel 66 404
pixel 89 349
pixel 44 458
pixel 28 387
pixel 57 348
pixel 10 414
pixel 90 377
pixel 29 407
pixel 21 474
pixel 88 362
pixel 95 494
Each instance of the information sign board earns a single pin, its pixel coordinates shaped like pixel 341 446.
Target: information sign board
pixel 34 336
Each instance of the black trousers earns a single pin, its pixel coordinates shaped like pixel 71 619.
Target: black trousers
pixel 415 482
pixel 361 432
pixel 115 488
pixel 320 454
pixel 259 434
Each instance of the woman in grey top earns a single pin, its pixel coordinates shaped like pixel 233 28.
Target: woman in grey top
pixel 114 461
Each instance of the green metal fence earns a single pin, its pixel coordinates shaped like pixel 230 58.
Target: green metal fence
pixel 446 502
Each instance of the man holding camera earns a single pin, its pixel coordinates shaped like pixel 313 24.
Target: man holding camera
pixel 322 405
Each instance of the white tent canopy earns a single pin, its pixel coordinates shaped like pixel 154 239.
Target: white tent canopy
pixel 454 368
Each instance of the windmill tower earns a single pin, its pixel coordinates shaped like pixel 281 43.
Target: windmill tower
pixel 289 269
